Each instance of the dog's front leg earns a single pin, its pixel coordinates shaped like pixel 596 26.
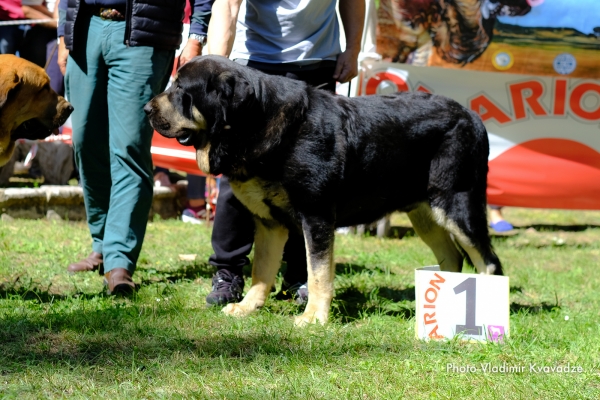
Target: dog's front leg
pixel 269 239
pixel 319 238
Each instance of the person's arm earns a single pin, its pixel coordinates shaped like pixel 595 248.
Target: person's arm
pixel 199 20
pixel 63 53
pixel 352 14
pixel 221 30
pixel 39 12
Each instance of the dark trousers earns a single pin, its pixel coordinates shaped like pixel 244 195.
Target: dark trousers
pixel 233 231
pixel 34 45
pixel 10 39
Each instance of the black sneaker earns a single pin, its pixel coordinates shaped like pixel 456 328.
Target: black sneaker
pixel 227 287
pixel 297 292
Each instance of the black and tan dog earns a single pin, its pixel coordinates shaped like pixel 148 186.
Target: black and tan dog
pixel 29 108
pixel 296 155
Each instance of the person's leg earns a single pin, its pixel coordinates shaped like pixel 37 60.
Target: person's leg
pixel 233 232
pixel 497 221
pixel 232 239
pixel 86 82
pixel 196 189
pixel 135 75
pixel 195 210
pixel 10 38
pixel 33 47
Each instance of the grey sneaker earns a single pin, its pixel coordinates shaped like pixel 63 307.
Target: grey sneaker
pixel 227 287
pixel 297 292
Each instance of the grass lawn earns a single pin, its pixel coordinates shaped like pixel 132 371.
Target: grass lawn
pixel 60 336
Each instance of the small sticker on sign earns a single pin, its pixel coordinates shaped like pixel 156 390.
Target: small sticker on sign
pixel 503 60
pixel 564 63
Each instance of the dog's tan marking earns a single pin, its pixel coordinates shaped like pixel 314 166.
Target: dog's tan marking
pixel 439 232
pixel 253 192
pixel 442 219
pixel 199 118
pixel 178 121
pixel 475 256
pixel 202 159
pixel 268 251
pixel 321 273
pixel 436 237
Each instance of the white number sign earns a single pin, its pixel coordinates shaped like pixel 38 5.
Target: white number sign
pixel 472 306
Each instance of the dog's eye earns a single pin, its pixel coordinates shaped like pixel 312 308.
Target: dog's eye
pixel 186 104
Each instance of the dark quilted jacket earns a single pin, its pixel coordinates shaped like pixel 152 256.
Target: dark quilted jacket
pixel 156 23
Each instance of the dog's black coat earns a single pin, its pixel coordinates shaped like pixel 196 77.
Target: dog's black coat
pixel 342 161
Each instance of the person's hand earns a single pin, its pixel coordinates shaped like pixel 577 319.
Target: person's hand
pixel 63 54
pixel 346 67
pixel 192 49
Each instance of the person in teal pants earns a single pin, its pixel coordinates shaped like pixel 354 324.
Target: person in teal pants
pixel 120 55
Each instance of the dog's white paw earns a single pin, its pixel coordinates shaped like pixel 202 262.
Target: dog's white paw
pixel 310 319
pixel 237 310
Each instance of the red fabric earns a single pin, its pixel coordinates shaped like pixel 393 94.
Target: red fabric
pixel 188 13
pixel 11 9
pixel 546 173
pixel 162 145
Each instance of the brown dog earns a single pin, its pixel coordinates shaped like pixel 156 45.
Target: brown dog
pixel 29 108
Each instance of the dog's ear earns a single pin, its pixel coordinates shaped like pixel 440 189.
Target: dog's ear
pixel 234 91
pixel 9 85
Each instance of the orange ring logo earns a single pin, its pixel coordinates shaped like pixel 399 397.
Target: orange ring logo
pixel 374 82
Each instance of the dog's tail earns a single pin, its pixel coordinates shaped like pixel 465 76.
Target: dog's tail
pixel 480 153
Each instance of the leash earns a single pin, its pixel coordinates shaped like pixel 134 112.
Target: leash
pixel 49 58
pixel 25 22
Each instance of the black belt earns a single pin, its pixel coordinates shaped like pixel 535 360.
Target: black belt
pixel 110 14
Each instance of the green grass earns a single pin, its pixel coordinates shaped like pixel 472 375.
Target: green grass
pixel 61 337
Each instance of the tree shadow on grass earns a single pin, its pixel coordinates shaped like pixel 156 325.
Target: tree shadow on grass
pixel 130 352
pixel 150 333
pixel 40 295
pixel 151 336
pixel 351 303
pixel 516 289
pixel 34 291
pixel 399 232
pixel 355 269
pixel 543 307
pixel 185 272
pixel 558 228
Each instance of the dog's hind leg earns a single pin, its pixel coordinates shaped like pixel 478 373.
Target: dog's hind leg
pixel 269 240
pixel 469 229
pixel 319 239
pixel 436 237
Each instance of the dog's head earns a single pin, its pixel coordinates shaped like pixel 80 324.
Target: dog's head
pixel 208 96
pixel 29 108
pixel 225 110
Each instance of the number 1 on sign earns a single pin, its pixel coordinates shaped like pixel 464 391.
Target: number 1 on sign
pixel 470 287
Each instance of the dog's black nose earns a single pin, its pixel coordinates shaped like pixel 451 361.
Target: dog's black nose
pixel 69 109
pixel 148 108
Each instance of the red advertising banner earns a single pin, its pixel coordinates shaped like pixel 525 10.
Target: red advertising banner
pixel 529 68
pixel 544 132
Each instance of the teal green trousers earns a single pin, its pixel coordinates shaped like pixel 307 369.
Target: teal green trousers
pixel 108 84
